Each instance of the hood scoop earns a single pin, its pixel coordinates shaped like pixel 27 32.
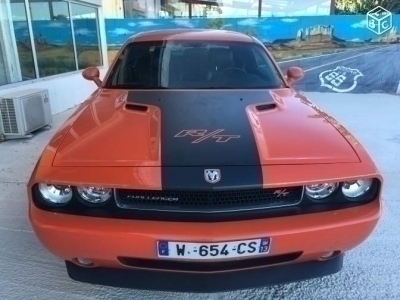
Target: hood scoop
pixel 267 106
pixel 136 107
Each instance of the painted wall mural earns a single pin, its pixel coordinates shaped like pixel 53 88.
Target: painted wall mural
pixel 339 53
pixel 54 46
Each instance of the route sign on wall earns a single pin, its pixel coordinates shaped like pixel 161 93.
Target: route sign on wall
pixel 341 79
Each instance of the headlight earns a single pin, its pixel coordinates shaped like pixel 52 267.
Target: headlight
pixel 94 195
pixel 356 188
pixel 56 195
pixel 321 191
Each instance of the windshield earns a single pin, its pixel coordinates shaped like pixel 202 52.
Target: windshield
pixel 194 65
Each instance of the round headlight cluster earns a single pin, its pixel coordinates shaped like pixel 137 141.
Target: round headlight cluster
pixel 55 195
pixel 321 191
pixel 94 195
pixel 354 190
pixel 60 195
pixel 357 188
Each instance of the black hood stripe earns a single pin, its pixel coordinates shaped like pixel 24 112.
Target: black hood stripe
pixel 206 130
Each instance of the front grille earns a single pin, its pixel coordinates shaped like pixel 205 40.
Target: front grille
pixel 208 201
pixel 207 266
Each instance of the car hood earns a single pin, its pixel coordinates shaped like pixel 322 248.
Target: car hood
pixel 201 129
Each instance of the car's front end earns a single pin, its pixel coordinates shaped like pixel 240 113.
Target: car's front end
pixel 202 189
pixel 296 223
pixel 296 239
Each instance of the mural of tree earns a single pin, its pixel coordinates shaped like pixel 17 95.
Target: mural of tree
pixel 251 31
pixel 215 24
pixel 79 48
pixel 350 7
pixel 60 17
pixel 211 8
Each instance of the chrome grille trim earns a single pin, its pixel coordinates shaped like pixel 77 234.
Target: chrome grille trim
pixel 124 205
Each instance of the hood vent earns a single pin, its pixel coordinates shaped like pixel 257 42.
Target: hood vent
pixel 136 107
pixel 268 106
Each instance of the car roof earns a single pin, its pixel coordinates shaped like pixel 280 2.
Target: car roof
pixel 191 35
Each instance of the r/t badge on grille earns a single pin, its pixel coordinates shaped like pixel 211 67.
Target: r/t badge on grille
pixel 212 175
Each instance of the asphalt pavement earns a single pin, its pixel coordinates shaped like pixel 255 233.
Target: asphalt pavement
pixel 371 271
pixel 361 71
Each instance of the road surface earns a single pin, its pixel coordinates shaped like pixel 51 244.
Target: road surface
pixel 371 271
pixel 379 70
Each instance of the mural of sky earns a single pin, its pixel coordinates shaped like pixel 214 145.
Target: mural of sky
pixel 349 28
pixel 59 32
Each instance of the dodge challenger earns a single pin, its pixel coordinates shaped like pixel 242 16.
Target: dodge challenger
pixel 197 166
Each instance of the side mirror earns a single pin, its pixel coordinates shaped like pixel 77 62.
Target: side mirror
pixel 92 74
pixel 294 74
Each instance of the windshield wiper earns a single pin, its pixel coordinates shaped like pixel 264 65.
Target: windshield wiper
pixel 215 88
pixel 136 86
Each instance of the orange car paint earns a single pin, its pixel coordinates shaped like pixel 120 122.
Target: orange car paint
pixel 104 144
pixel 139 133
pixel 103 239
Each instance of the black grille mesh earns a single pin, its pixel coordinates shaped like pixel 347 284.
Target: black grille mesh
pixel 208 200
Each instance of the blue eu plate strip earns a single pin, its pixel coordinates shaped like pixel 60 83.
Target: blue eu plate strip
pixel 163 249
pixel 264 245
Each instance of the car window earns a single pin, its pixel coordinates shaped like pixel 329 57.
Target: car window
pixel 260 62
pixel 264 66
pixel 194 65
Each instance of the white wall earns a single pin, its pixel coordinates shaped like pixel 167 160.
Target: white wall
pixel 113 9
pixel 65 91
pixel 94 2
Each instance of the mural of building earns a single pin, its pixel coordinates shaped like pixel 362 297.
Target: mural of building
pixel 319 33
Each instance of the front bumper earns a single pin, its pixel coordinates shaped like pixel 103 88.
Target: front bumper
pixel 205 282
pixel 124 252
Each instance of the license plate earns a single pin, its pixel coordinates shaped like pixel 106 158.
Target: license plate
pixel 232 249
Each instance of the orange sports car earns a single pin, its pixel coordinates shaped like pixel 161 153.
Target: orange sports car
pixel 196 166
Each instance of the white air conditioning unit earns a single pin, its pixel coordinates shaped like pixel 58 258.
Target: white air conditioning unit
pixel 23 112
